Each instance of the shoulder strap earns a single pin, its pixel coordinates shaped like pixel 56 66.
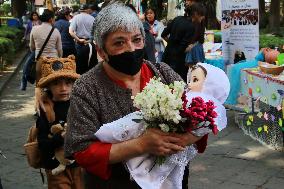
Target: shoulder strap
pixel 45 42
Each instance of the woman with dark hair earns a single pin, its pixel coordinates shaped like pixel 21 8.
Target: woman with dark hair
pixel 156 28
pixel 34 21
pixel 62 24
pixel 39 33
pixel 194 51
pixel 179 34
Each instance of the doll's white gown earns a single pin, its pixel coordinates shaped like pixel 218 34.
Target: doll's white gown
pixel 143 170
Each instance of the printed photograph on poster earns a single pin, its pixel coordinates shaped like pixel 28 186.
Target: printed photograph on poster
pixel 239 17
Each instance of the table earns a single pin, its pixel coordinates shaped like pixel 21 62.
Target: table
pixel 267 88
pixel 267 92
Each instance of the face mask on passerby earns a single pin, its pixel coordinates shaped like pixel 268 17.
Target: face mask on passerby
pixel 128 62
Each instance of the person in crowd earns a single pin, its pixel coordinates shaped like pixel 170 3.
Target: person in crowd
pixel 58 76
pixel 94 9
pixel 39 33
pixel 81 30
pixel 104 94
pixel 178 34
pixel 156 28
pixel 194 51
pixel 149 48
pixel 34 21
pixel 62 24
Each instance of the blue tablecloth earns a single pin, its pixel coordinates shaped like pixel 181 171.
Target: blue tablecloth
pixel 218 62
pixel 234 74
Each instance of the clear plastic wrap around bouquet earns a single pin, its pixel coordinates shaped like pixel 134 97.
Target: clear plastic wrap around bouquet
pixel 171 109
pixel 166 107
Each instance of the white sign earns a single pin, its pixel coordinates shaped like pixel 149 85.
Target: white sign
pixel 240 29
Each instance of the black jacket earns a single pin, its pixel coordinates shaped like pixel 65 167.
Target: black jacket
pixel 181 32
pixel 46 144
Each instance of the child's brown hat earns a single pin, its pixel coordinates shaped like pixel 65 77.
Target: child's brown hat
pixel 54 68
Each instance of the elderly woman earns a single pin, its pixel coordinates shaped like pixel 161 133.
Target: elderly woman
pixel 103 95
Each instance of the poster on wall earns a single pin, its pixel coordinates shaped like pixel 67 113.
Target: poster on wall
pixel 240 30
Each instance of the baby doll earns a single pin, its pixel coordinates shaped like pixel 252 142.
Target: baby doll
pixel 203 81
pixel 209 80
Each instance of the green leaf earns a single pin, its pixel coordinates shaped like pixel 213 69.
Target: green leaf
pixel 259 129
pixel 280 122
pixel 259 114
pixel 200 124
pixel 273 96
pixel 248 123
pixel 251 118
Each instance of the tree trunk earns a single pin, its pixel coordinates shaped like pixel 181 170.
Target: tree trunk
pixel 262 18
pixel 274 18
pixel 18 8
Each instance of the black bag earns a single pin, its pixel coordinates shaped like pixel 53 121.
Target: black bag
pixel 30 67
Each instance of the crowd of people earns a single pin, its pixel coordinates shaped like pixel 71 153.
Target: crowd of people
pixel 116 52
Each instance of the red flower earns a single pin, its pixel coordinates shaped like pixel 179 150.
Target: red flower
pixel 197 112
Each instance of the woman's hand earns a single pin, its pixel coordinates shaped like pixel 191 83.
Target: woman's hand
pixel 189 47
pixel 159 143
pixel 186 139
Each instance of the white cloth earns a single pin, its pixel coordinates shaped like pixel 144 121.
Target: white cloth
pixel 168 175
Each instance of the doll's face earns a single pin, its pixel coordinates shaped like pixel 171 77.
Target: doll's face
pixel 196 80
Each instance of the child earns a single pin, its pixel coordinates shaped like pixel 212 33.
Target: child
pixel 169 175
pixel 58 76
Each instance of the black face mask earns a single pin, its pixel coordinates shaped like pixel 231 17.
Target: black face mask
pixel 128 62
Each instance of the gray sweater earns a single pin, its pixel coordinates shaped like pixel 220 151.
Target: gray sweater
pixel 97 100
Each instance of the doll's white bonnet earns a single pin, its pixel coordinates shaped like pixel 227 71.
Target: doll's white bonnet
pixel 216 82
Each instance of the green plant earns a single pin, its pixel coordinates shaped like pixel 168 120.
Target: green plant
pixel 6 45
pixel 5 9
pixel 9 32
pixel 270 41
pixel 10 41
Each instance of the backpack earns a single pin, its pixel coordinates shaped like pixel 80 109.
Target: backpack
pixel 31 146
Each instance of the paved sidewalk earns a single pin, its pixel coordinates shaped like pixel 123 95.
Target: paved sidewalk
pixel 235 161
pixel 232 160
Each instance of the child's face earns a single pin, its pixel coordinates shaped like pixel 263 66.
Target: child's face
pixel 196 80
pixel 61 89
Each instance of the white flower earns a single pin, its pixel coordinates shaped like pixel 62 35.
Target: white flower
pixel 164 127
pixel 159 101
